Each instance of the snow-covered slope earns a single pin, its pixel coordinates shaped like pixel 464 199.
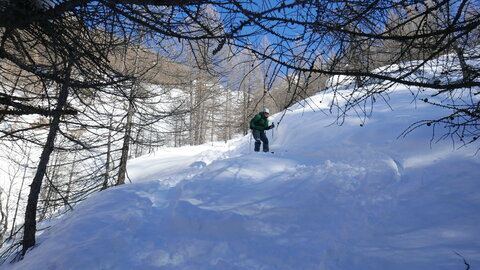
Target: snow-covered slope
pixel 330 197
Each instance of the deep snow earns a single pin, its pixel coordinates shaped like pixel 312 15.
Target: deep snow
pixel 331 197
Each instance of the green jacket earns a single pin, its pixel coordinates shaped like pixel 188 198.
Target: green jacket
pixel 259 122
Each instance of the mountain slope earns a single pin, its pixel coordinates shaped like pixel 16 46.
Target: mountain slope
pixel 331 197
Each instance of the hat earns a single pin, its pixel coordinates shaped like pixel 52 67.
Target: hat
pixel 266 110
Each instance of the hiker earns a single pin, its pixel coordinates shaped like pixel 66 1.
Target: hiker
pixel 259 124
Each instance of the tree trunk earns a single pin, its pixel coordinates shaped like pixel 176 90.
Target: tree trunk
pixel 30 226
pixel 109 150
pixel 122 170
pixel 463 64
pixel 176 136
pixel 70 179
pixel 3 221
pixel 126 144
pixel 226 120
pixel 48 189
pixel 192 116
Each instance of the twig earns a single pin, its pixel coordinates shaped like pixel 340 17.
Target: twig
pixel 464 261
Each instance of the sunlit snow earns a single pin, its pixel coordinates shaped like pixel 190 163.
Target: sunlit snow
pixel 330 197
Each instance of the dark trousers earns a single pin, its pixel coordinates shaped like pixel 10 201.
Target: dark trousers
pixel 260 137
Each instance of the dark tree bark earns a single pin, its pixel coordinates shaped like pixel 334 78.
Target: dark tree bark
pixel 107 162
pixel 466 71
pixel 122 171
pixel 30 226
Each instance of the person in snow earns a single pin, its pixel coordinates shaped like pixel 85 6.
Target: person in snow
pixel 259 124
